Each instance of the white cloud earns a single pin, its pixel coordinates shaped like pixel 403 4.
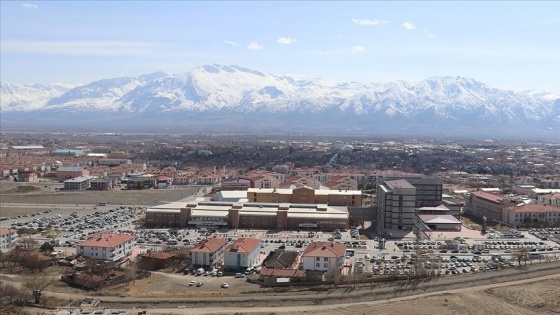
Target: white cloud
pixel 254 46
pixel 368 22
pixel 286 40
pixel 430 35
pixel 229 42
pixel 409 26
pixel 358 48
pixel 30 6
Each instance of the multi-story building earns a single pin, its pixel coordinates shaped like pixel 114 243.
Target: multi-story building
pixel 248 215
pixel 483 204
pixel 8 238
pixel 306 195
pixel 79 183
pixel 109 246
pixel 327 257
pixel 396 202
pixel 67 172
pixel 399 196
pixel 521 215
pixel 102 184
pixel 242 253
pixel 549 199
pixel 208 253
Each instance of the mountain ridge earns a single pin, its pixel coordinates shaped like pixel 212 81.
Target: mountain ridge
pixel 214 90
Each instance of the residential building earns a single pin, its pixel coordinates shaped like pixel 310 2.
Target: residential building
pixel 244 252
pixel 208 253
pixel 8 238
pixel 79 183
pixel 327 257
pixel 67 172
pixel 108 246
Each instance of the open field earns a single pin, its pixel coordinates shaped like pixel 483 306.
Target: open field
pixel 42 196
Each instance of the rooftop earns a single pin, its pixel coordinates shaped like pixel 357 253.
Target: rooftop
pixel 107 240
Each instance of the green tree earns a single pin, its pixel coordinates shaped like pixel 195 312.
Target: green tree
pixel 46 248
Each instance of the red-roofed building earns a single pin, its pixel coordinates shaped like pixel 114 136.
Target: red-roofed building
pixel 242 253
pixel 109 246
pixel 484 204
pixel 208 253
pixel 324 256
pixel 522 214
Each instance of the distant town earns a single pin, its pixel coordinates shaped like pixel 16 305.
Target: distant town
pixel 95 222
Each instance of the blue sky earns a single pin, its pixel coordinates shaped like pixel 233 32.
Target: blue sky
pixel 513 45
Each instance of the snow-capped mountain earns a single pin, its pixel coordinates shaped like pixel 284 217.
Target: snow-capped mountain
pixel 234 94
pixel 15 97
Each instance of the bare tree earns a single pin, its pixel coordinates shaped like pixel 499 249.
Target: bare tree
pixel 36 285
pixel 521 254
pixel 10 292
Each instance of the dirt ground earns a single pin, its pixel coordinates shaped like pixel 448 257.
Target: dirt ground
pixel 43 196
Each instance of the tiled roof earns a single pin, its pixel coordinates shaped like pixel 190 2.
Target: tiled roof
pixel 209 246
pixel 4 231
pixel 325 249
pixel 108 240
pixel 243 245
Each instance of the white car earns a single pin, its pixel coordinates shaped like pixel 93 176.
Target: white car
pixel 192 283
pixel 225 285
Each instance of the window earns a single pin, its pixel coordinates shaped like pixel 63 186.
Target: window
pixel 318 265
pixel 318 259
pixel 326 265
pixel 325 259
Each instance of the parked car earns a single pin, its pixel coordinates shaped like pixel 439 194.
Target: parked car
pixel 225 285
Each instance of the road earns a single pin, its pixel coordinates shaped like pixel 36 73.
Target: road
pixel 307 301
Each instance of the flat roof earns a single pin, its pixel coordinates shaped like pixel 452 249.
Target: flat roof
pixel 399 183
pixel 438 219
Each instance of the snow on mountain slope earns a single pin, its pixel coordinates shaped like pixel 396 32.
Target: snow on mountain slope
pixel 19 97
pixel 99 95
pixel 221 89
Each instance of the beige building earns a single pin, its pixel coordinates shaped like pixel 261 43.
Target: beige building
pixel 484 204
pixel 523 214
pixel 306 195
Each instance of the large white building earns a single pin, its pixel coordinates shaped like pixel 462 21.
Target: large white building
pixel 79 183
pixel 109 246
pixel 8 238
pixel 208 253
pixel 324 256
pixel 242 253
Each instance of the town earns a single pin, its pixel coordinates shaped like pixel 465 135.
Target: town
pixel 90 219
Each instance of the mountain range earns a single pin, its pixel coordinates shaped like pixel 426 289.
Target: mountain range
pixel 233 98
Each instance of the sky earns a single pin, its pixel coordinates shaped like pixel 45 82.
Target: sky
pixel 505 44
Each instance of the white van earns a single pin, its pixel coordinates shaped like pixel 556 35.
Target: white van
pixel 200 271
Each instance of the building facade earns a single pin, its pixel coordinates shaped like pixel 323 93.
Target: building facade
pixel 248 215
pixel 522 215
pixel 8 238
pixel 208 253
pixel 483 204
pixel 327 257
pixel 109 246
pixel 79 183
pixel 242 253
